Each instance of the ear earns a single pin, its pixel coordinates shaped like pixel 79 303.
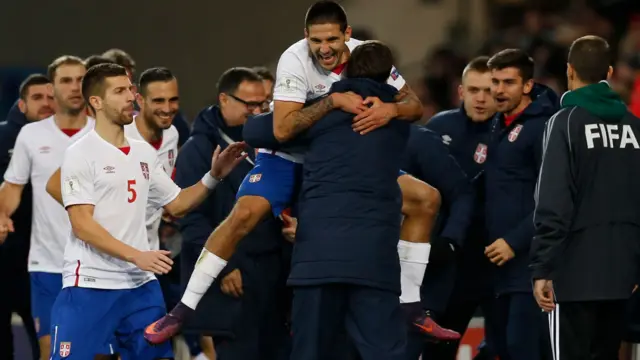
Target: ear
pixel 139 100
pixel 610 73
pixel 460 92
pixel 22 105
pixel 223 99
pixel 306 33
pixel 96 102
pixel 528 86
pixel 347 33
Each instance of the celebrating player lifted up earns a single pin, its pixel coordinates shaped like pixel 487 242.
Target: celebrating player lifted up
pixel 107 180
pixel 306 71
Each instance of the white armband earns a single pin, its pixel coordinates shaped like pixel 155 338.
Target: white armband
pixel 209 181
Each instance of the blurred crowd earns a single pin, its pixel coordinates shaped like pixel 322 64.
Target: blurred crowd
pixel 546 36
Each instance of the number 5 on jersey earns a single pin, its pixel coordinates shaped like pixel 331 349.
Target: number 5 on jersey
pixel 132 191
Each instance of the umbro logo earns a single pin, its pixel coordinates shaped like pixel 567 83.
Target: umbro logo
pixel 44 149
pixel 109 170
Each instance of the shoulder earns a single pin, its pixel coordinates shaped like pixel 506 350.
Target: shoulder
pixel 171 135
pixel 445 120
pixel 353 43
pixel 41 126
pixel 298 50
pixel 142 146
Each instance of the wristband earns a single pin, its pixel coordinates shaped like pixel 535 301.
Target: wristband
pixel 209 181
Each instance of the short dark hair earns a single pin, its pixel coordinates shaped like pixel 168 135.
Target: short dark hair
pixel 590 57
pixel 152 75
pixel 96 60
pixel 32 80
pixel 121 58
pixel 515 58
pixel 232 78
pixel 371 59
pixel 264 73
pixel 478 64
pixel 94 79
pixel 62 60
pixel 326 12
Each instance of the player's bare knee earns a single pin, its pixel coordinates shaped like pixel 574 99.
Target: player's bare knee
pixel 246 214
pixel 422 200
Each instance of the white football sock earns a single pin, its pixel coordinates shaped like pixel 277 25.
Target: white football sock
pixel 414 258
pixel 207 268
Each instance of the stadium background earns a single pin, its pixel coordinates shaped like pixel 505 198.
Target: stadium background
pixel 199 39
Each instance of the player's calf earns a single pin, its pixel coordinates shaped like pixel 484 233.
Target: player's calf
pixel 220 246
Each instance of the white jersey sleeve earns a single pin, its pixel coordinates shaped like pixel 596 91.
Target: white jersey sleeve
pixel 395 79
pixel 77 179
pixel 291 79
pixel 19 170
pixel 162 190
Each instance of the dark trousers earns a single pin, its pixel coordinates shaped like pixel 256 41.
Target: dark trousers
pixel 15 282
pixel 251 327
pixel 371 317
pixel 587 330
pixel 518 329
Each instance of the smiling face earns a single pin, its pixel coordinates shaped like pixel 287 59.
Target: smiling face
pixel 159 103
pixel 327 44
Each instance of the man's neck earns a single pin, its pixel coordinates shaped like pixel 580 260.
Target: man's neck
pixel 148 134
pixel 65 120
pixel 110 131
pixel 520 108
pixel 577 84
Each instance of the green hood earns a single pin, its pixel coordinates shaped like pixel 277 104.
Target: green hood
pixel 598 99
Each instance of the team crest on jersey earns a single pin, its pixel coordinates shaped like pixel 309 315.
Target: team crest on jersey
pixel 513 135
pixel 65 348
pixel 171 157
pixel 480 156
pixel 255 178
pixel 145 169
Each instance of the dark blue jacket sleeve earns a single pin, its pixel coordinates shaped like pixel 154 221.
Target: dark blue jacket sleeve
pixel 194 160
pixel 520 238
pixel 442 171
pixel 182 126
pixel 258 133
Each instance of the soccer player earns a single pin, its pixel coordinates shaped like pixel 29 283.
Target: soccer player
pixel 35 103
pixel 305 72
pixel 108 179
pixel 518 329
pixel 37 154
pixel 159 102
pixel 345 271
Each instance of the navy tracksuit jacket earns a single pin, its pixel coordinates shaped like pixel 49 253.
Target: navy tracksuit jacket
pixel 513 163
pixel 246 325
pixel 14 251
pixel 518 330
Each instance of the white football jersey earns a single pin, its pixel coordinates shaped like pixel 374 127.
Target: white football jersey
pixel 119 185
pixel 167 153
pixel 300 79
pixel 37 154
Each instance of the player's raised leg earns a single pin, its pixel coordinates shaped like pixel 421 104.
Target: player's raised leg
pixel 269 187
pixel 420 206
